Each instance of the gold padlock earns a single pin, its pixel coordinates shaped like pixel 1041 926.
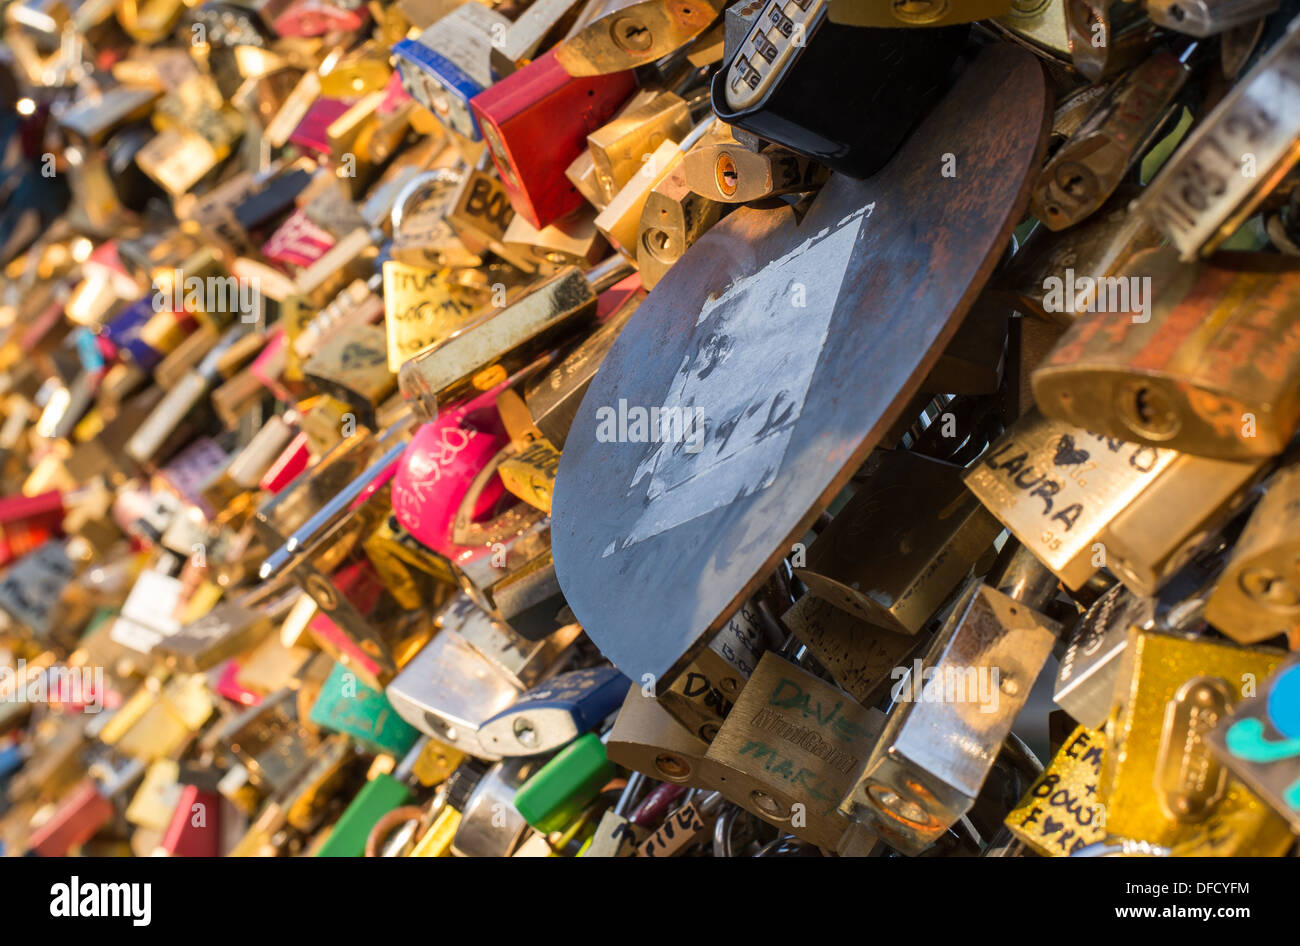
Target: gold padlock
pixel 1060 814
pixel 673 218
pixel 618 148
pixel 646 738
pixel 1159 781
pixel 702 695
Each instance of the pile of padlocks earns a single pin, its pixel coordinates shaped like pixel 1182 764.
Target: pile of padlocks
pixel 649 427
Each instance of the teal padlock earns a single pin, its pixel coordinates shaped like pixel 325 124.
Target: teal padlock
pixel 562 788
pixel 348 706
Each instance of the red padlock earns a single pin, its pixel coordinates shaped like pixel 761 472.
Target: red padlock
pixel 536 121
pixel 81 814
pixel 195 828
pixel 28 521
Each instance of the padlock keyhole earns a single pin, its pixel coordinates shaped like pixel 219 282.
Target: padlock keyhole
pixel 632 35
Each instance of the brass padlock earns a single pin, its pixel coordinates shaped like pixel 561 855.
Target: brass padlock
pixel 1043 279
pixel 421 310
pixel 268 741
pixel 1258 594
pixel 1082 501
pixel 859 656
pixel 303 804
pixel 1088 166
pixel 1060 814
pixel 621 34
pixel 1202 362
pixel 491 347
pixel 915 13
pixel 1106 36
pixel 727 172
pixel 226 630
pixel 882 562
pixel 702 695
pixel 646 121
pixel 1040 26
pixel 534 31
pixel 646 738
pixel 553 397
pixel 673 218
pixel 479 211
pixel 573 240
pixel 352 366
pixel 620 220
pixel 789 750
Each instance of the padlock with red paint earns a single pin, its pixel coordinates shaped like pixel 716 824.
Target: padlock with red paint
pixel 441 462
pixel 536 122
pixel 195 829
pixel 318 17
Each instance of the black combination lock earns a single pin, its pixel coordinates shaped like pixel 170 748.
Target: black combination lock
pixel 850 102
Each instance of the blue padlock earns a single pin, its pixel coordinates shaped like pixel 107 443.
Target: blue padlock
pixel 555 712
pixel 448 64
pixel 11 760
pixel 123 330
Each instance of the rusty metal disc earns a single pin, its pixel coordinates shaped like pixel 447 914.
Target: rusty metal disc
pixel 796 344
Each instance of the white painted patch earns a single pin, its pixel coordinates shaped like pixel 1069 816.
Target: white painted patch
pixel 747 371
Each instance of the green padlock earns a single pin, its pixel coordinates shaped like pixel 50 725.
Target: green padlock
pixel 348 706
pixel 382 794
pixel 565 786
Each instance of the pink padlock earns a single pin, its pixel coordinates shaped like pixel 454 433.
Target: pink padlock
pixel 440 463
pixel 312 132
pixel 268 366
pixel 298 241
pixel 228 685
pixel 316 18
pixel 291 462
pixel 395 95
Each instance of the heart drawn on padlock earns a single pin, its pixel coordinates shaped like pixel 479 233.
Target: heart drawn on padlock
pixel 1067 454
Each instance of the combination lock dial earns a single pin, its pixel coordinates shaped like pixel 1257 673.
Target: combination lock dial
pixel 850 103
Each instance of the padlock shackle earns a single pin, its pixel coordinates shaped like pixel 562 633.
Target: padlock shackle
pixel 608 272
pixel 1018 574
pixel 311 533
pixel 418 186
